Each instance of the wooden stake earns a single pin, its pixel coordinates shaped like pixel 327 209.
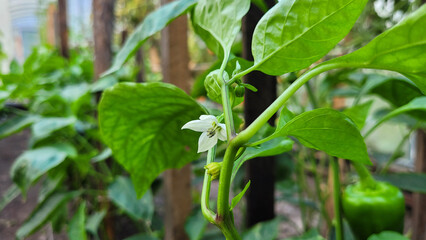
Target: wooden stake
pixel 419 200
pixel 174 62
pixel 63 28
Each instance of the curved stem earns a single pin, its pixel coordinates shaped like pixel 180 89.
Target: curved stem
pixel 365 177
pixel 205 194
pixel 336 199
pixel 395 154
pixel 245 135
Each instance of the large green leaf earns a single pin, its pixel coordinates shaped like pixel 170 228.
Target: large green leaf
pixel 417 104
pixel 153 23
pixel 401 48
pixel 141 123
pixel 43 213
pixel 275 146
pixel 122 193
pixel 31 164
pixel 267 230
pixel 221 19
pixel 388 235
pixel 16 124
pixel 330 131
pixel 76 228
pixel 296 33
pixel 414 182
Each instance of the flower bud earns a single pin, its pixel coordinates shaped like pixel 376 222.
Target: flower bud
pixel 239 91
pixel 213 85
pixel 213 169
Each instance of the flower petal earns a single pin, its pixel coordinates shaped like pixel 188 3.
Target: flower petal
pixel 205 142
pixel 198 125
pixel 221 134
pixel 209 118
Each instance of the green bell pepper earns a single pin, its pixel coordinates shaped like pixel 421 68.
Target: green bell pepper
pixel 373 207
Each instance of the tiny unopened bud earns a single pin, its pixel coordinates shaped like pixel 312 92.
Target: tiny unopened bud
pixel 213 169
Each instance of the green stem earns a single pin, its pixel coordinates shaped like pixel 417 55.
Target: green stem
pixel 300 173
pixel 395 154
pixel 318 191
pixel 365 177
pixel 240 75
pixel 205 194
pixel 336 199
pixel 311 95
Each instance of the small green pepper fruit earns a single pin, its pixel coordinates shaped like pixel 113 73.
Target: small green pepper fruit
pixel 371 210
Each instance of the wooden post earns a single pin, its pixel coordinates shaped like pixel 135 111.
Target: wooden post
pixel 103 25
pixel 419 200
pixel 51 28
pixel 63 28
pixel 260 195
pixel 174 62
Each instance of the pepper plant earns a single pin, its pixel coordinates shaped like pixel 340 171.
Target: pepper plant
pixel 146 125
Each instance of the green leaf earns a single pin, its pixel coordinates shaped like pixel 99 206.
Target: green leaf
pixel 359 113
pixel 11 193
pixel 122 193
pixel 221 19
pixel 141 123
pixel 153 23
pixel 142 236
pixel 237 198
pixel 413 182
pixel 76 228
pixel 94 221
pixel 401 48
pixel 31 164
pixel 388 235
pixel 296 33
pixel 275 146
pixel 195 225
pixel 103 83
pixel 330 131
pixel 285 116
pixel 416 104
pixel 106 153
pixel 46 126
pixel 311 235
pixel 267 230
pixel 397 91
pixel 43 212
pixel 16 124
pixel 50 184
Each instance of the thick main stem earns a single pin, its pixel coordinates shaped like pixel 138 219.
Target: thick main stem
pixel 336 199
